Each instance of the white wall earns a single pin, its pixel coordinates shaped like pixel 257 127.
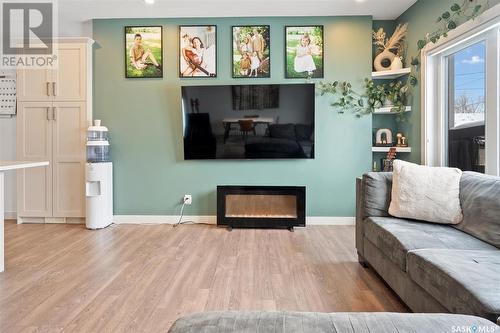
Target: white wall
pixel 8 152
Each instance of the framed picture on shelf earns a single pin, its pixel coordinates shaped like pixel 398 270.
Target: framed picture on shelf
pixel 251 51
pixel 143 52
pixel 304 52
pixel 198 51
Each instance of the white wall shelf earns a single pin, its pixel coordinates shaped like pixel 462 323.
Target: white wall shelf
pixel 387 110
pixel 386 149
pixel 390 75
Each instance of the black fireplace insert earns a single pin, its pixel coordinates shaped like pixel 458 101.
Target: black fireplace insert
pixel 261 206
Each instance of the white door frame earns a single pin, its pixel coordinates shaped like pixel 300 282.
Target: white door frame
pixel 434 90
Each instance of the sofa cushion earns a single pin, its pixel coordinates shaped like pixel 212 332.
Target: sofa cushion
pixel 395 237
pixel 430 194
pixel 282 131
pixel 480 200
pixel 463 281
pixel 303 132
pixel 306 322
pixel 376 195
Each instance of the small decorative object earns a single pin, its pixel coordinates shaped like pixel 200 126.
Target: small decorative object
pixel 397 64
pixel 388 102
pixel 399 136
pixel 375 167
pixel 251 51
pixel 401 140
pixel 387 163
pixel 198 51
pixel 389 49
pixel 384 138
pixel 143 52
pixel 304 52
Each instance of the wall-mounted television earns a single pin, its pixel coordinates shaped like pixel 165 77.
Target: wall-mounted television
pixel 258 121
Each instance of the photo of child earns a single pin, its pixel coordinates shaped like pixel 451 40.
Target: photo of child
pixel 251 45
pixel 304 52
pixel 198 51
pixel 143 52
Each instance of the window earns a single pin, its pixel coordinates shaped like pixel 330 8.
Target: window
pixel 460 97
pixel 466 108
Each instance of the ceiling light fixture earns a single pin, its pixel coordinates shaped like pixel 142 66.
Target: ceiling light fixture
pixel 149 2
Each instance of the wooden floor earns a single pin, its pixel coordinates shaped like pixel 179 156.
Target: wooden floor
pixel 136 278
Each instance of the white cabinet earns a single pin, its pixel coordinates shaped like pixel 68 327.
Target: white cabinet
pixel 34 85
pixel 54 107
pixel 34 195
pixel 68 82
pixel 68 159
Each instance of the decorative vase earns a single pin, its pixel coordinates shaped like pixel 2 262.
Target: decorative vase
pixel 385 56
pixel 397 64
pixel 388 103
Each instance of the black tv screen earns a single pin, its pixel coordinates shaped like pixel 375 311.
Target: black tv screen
pixel 272 121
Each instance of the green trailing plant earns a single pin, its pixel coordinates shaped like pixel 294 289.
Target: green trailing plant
pixel 396 93
pixel 374 95
pixel 449 20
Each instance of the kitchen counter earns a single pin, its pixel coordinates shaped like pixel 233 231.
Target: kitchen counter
pixel 7 166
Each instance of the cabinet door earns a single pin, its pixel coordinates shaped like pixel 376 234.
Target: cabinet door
pixel 70 77
pixel 34 143
pixel 34 85
pixel 69 128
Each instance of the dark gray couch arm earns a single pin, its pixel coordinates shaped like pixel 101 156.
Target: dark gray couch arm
pixel 359 220
pixel 373 197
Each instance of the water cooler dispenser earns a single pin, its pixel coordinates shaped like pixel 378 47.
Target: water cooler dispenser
pixel 99 178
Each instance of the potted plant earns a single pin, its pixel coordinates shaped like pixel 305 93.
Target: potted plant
pixel 396 95
pixel 375 94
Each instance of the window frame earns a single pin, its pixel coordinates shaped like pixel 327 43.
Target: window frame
pixel 434 94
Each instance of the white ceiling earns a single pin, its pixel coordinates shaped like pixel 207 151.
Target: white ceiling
pixel 84 10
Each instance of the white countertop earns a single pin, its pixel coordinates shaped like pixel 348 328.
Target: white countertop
pixel 13 165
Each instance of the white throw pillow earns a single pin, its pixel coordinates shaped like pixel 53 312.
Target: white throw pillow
pixel 425 193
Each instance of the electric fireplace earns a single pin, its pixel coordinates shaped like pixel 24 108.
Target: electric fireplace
pixel 261 206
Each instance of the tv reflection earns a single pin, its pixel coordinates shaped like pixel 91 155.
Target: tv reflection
pixel 248 122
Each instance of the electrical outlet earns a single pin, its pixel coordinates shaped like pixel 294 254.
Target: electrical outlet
pixel 188 199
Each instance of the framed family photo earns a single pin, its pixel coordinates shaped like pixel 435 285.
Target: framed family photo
pixel 144 52
pixel 251 51
pixel 198 51
pixel 304 52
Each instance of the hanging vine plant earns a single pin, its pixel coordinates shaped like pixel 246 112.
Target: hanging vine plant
pixel 448 20
pixel 374 96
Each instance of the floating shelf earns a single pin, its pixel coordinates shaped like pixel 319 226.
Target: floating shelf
pixel 386 149
pixel 387 110
pixel 390 75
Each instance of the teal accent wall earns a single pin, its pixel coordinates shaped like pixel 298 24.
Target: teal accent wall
pixel 144 117
pixel 421 18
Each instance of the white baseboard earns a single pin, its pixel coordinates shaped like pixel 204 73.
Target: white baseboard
pixel 330 220
pixel 10 215
pixel 212 219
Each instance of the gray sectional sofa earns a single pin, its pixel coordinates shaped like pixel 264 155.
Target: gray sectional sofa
pixel 433 267
pixel 315 322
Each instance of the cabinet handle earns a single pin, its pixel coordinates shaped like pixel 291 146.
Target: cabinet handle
pixel 54 113
pixel 48 88
pixel 54 91
pixel 48 118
